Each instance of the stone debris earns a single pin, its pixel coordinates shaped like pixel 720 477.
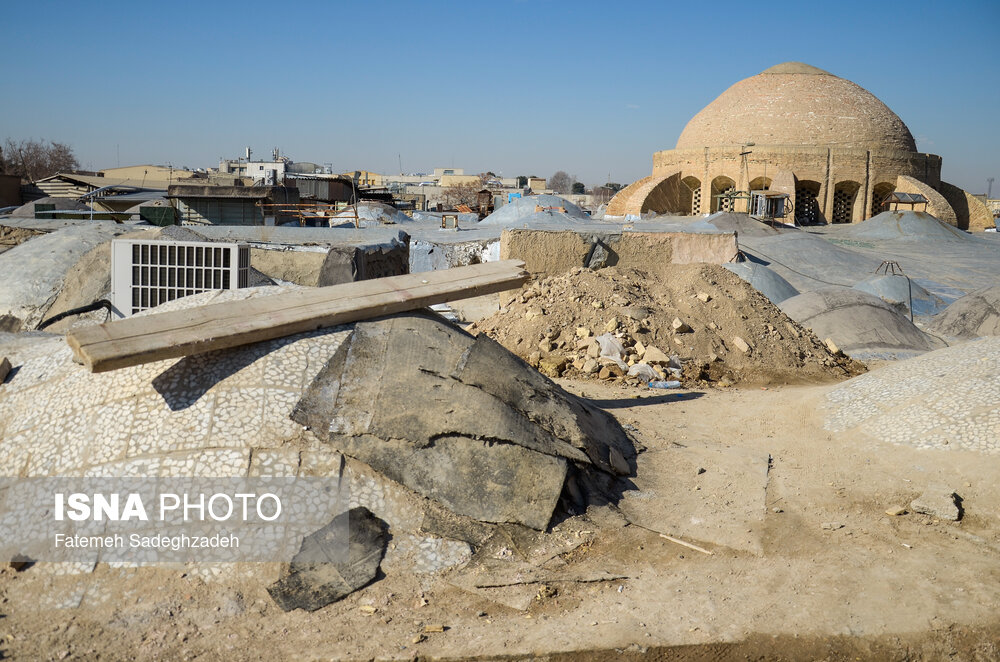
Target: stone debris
pixel 680 326
pixel 5 368
pixel 940 502
pixel 637 313
pixel 661 321
pixel 317 576
pixel 471 426
pixel 896 511
pixel 655 356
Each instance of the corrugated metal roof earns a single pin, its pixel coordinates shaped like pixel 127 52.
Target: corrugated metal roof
pixel 100 182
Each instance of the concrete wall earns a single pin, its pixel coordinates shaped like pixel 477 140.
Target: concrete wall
pixel 555 252
pixel 972 214
pixel 830 167
pixel 330 266
pixel 431 256
pixel 148 172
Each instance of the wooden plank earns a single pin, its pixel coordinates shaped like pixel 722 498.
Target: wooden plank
pixel 160 336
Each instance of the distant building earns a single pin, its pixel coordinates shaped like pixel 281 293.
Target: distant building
pixel 323 188
pixel 232 205
pixel 154 173
pixel 459 180
pixel 366 178
pixel 70 185
pixel 269 173
pixel 834 148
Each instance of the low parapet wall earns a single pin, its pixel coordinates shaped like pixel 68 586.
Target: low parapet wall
pixel 547 252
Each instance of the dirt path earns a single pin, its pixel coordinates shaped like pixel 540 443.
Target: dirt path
pixel 820 572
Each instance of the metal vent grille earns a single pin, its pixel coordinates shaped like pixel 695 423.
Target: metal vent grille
pixel 148 273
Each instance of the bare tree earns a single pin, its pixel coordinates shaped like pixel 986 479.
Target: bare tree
pixel 604 193
pixel 561 182
pixel 460 194
pixel 34 159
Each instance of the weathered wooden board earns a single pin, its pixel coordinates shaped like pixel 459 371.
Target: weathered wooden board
pixel 156 337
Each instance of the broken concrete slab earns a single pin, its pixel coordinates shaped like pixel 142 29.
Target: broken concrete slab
pixel 471 425
pixel 940 502
pixel 320 574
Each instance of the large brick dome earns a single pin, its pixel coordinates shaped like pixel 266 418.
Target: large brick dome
pixel 797 104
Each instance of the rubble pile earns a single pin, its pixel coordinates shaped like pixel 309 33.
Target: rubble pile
pixel 697 323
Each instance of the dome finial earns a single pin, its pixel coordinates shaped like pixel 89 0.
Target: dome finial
pixel 796 68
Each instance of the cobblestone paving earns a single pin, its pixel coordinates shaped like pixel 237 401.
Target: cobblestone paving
pixel 946 399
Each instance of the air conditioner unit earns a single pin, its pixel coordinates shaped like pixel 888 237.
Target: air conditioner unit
pixel 145 274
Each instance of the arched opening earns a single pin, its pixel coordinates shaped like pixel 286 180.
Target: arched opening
pixel 879 193
pixel 806 207
pixel 760 184
pixel 722 185
pixel 694 184
pixel 844 195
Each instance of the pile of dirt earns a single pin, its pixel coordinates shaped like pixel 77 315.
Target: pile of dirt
pixel 14 236
pixel 698 323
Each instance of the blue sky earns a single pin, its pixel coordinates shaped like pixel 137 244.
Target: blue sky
pixel 591 88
